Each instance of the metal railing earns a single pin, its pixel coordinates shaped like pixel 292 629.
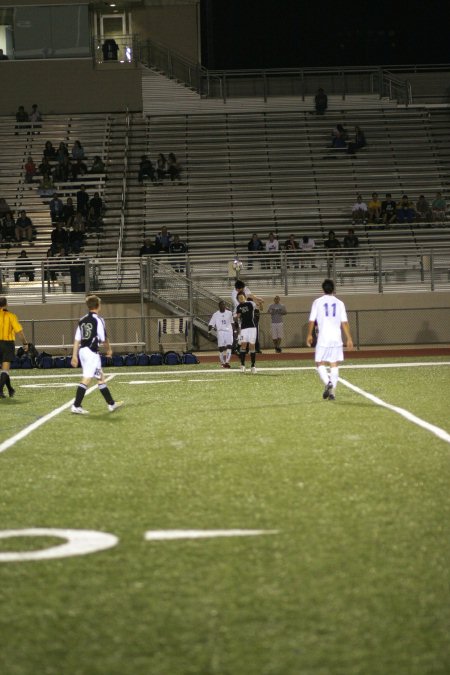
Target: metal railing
pixel 188 281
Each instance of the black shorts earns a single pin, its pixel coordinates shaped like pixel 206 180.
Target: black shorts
pixel 7 351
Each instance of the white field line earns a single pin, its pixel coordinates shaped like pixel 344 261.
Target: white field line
pixel 167 535
pixel 437 431
pixel 22 434
pixel 124 371
pixel 42 420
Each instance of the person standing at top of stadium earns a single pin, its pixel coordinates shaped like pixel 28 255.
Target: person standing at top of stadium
pixel 222 321
pixel 10 328
pixel 331 316
pixel 245 313
pixel 90 334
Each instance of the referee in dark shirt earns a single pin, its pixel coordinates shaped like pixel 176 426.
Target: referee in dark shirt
pixel 9 329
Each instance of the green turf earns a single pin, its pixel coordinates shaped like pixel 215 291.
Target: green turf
pixel 355 582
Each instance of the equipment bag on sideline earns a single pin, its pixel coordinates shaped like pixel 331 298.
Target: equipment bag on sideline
pixel 189 358
pixel 172 359
pixel 156 359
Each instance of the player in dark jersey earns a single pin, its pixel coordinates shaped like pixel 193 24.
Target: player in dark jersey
pixel 245 313
pixel 90 334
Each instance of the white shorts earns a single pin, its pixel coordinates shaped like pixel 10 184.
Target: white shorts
pixel 90 363
pixel 277 331
pixel 248 335
pixel 329 354
pixel 224 338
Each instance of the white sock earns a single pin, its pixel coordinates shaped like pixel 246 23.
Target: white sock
pixel 221 359
pixel 334 374
pixel 228 356
pixel 323 374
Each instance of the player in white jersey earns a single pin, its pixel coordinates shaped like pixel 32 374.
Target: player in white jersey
pixel 222 321
pixel 331 316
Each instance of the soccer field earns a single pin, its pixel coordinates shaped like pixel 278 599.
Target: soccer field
pixel 228 524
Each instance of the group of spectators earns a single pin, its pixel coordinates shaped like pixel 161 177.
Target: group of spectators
pixel 388 211
pixel 16 230
pixel 62 165
pixel 72 221
pixel 165 167
pixel 264 251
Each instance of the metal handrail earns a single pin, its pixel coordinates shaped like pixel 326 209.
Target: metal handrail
pixel 123 197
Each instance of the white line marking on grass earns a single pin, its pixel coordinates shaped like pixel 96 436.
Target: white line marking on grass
pixel 437 431
pixel 42 420
pixel 169 535
pixel 78 542
pixel 48 385
pixel 152 381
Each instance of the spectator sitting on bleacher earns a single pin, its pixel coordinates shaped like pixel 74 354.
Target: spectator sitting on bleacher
pixel 49 150
pixel 358 142
pixel 78 168
pixel 97 204
pixel 423 210
pixel 60 238
pixel 177 247
pixel 351 242
pixel 98 165
pixel 30 170
pixel 78 151
pixel 62 151
pixel 21 118
pixel 359 211
pixel 24 227
pixel 291 246
pixel 164 239
pixel 45 168
pixel 173 167
pixel 388 210
pixel 80 221
pixel 46 187
pixel 93 221
pixel 83 200
pixel 405 210
pixel 146 169
pixel 68 213
pixel 76 239
pixel 35 117
pixel 374 208
pixel 63 170
pixel 339 138
pixel 254 247
pixel 24 267
pixel 332 242
pixel 307 246
pixel 3 57
pixel 272 247
pixel 8 227
pixel 439 207
pixel 320 101
pixel 149 248
pixel 161 167
pixel 56 208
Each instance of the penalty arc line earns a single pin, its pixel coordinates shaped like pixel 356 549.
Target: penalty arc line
pixel 42 420
pixel 437 431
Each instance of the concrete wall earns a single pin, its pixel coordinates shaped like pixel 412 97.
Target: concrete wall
pixel 69 86
pixel 421 318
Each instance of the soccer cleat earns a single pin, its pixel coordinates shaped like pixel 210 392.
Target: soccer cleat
pixel 253 370
pixel 331 397
pixel 226 365
pixel 242 369
pixel 2 395
pixel 327 390
pixel 114 406
pixel 79 411
pixel 11 392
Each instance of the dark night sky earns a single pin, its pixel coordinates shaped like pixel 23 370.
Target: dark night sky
pixel 292 33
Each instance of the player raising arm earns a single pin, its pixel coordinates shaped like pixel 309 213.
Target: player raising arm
pixel 331 316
